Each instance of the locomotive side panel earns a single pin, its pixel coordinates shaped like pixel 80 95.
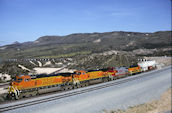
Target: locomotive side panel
pixel 97 77
pixel 95 74
pixel 134 70
pixel 121 72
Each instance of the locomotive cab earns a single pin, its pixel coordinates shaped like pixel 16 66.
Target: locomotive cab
pixel 20 80
pixel 17 80
pixel 17 84
pixel 134 69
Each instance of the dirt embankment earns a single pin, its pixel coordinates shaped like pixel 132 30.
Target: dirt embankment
pixel 157 106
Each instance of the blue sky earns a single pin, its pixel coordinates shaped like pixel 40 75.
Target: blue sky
pixel 27 20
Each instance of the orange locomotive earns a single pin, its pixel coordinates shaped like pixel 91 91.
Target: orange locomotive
pixel 134 69
pixel 84 78
pixel 30 85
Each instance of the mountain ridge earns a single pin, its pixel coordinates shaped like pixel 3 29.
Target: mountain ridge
pixel 74 34
pixel 72 44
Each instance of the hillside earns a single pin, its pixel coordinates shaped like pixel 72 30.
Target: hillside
pixel 84 51
pixel 88 43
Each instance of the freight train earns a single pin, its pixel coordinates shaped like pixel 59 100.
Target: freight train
pixel 31 85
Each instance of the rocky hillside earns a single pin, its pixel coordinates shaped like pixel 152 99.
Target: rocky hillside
pixel 104 60
pixel 80 62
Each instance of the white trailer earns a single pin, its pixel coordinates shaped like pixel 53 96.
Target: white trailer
pixel 146 65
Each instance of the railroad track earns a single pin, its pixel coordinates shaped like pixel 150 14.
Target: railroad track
pixel 77 92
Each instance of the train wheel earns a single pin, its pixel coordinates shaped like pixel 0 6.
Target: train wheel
pixel 112 78
pixel 127 75
pixel 27 95
pixel 21 96
pixel 70 87
pixel 78 85
pixel 30 95
pixel 75 87
pixel 62 88
pixel 35 93
pixel 109 79
pixel 105 80
pixel 9 97
pixel 66 88
pixel 82 85
pixel 86 84
pixel 116 78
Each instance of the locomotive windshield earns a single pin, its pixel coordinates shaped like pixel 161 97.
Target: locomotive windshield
pixel 77 73
pixel 133 66
pixel 18 80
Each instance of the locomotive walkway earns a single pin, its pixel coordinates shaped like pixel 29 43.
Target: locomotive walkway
pixel 116 94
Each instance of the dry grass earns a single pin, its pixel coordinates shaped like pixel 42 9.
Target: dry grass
pixel 156 106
